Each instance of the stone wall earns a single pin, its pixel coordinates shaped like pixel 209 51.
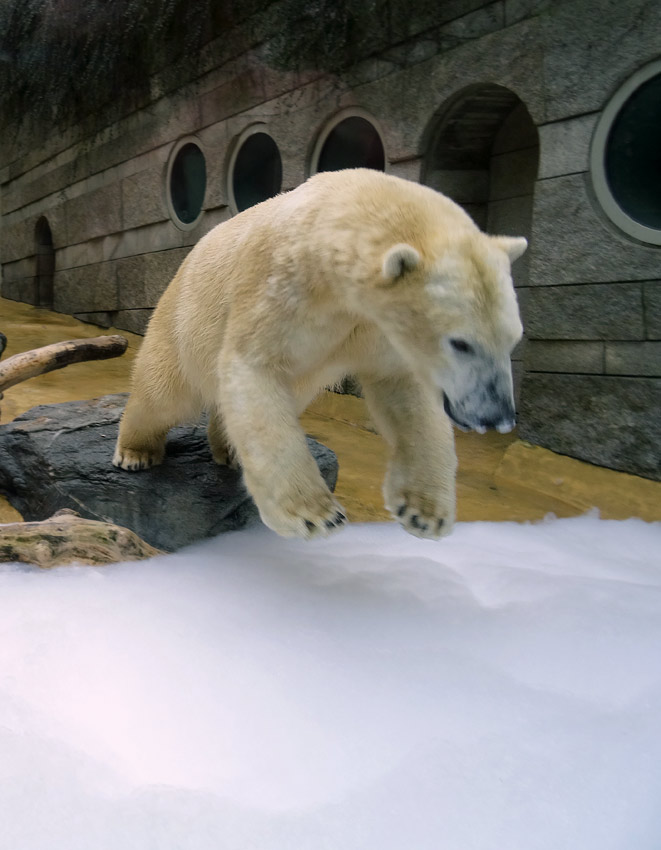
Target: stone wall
pixel 589 370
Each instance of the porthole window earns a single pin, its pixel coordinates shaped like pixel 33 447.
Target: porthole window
pixel 626 156
pixel 186 183
pixel 351 141
pixel 255 169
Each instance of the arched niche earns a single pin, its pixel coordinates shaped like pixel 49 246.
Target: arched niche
pixel 44 263
pixel 482 150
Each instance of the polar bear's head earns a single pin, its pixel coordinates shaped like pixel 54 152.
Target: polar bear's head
pixel 453 315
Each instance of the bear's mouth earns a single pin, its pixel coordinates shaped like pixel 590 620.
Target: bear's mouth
pixel 447 407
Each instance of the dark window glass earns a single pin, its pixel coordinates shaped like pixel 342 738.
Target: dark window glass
pixel 353 143
pixel 257 171
pixel 633 155
pixel 188 181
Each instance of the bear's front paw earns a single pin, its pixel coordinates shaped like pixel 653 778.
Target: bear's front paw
pixel 303 515
pixel 422 516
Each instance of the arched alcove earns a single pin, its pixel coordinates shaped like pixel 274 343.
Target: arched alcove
pixel 482 150
pixel 44 263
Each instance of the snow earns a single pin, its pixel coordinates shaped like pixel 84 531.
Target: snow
pixel 499 690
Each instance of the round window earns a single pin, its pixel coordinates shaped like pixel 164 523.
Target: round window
pixel 353 142
pixel 626 156
pixel 255 170
pixel 187 184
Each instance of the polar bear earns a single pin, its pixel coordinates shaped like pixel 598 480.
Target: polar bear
pixel 353 272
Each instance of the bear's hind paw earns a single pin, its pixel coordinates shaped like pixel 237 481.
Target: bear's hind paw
pixel 133 460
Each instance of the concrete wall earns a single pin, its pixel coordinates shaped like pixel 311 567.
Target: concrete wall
pixel 590 369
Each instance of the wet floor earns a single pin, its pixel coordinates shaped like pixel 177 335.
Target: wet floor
pixel 499 477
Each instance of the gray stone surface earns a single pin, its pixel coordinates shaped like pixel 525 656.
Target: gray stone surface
pixel 87 289
pixel 142 279
pixel 143 198
pixel 609 421
pixel 20 269
pixel 59 456
pixel 135 321
pixel 103 319
pixel 561 356
pixel 517 10
pixel 25 290
pixel 574 243
pixel 487 19
pixel 513 173
pixel 652 298
pixel 634 358
pixel 593 311
pixel 591 47
pixel 94 213
pixel 565 146
pixel 407 101
pixel 17 240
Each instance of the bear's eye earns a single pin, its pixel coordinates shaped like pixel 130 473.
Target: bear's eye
pixel 462 346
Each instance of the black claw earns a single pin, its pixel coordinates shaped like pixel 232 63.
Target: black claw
pixel 415 522
pixel 401 510
pixel 439 524
pixel 338 519
pixel 309 525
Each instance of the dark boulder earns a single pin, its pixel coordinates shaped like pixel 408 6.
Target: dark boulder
pixel 59 456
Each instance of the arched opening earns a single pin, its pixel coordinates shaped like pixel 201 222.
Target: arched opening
pixel 44 264
pixel 483 152
pixel 349 141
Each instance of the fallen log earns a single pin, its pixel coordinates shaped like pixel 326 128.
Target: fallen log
pixel 67 538
pixel 29 364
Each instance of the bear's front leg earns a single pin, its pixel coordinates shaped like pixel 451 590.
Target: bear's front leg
pixel 419 487
pixel 279 472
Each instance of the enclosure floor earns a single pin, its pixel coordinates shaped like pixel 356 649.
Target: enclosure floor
pixel 499 477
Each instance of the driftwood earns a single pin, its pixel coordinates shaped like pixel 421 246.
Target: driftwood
pixel 29 364
pixel 67 538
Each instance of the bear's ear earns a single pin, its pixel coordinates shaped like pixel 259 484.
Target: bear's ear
pixel 398 260
pixel 513 246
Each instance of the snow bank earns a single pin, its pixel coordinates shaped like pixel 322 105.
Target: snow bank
pixel 500 690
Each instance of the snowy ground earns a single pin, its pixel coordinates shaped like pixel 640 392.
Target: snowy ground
pixel 500 690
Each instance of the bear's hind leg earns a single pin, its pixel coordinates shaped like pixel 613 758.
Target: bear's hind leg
pixel 221 449
pixel 146 422
pixel 142 433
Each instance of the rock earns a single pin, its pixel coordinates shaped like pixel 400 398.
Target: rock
pixel 67 538
pixel 60 456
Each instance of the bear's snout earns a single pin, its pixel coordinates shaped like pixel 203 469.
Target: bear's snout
pixel 496 414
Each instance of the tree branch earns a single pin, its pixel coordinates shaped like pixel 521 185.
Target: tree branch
pixel 29 364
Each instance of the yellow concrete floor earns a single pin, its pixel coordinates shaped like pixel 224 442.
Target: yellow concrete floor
pixel 499 477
